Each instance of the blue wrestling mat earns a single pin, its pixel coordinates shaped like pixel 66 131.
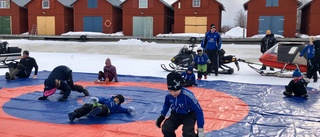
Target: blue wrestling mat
pixel 231 109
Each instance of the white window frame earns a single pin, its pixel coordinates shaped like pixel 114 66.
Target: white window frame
pixel 196 3
pixel 43 4
pixel 3 4
pixel 143 4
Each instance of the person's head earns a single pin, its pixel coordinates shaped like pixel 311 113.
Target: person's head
pixel 25 54
pixel 118 99
pixel 190 70
pixel 296 73
pixel 199 50
pixel 268 32
pixel 50 86
pixel 174 83
pixel 212 28
pixel 108 62
pixel 311 39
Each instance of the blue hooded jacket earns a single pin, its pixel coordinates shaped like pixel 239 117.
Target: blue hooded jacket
pixel 113 107
pixel 183 104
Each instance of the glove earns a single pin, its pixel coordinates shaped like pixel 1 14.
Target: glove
pixel 94 99
pixel 42 98
pixel 209 61
pixel 159 121
pixel 200 132
pixel 131 110
pixel 192 63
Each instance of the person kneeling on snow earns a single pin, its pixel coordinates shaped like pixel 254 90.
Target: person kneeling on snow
pixel 61 78
pixel 109 73
pixel 297 86
pixel 101 107
pixel 189 79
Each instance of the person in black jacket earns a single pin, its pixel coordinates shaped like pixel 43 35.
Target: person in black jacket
pixel 61 78
pixel 23 68
pixel 267 42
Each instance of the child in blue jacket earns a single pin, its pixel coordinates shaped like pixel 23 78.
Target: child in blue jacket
pixel 311 52
pixel 101 107
pixel 189 79
pixel 201 61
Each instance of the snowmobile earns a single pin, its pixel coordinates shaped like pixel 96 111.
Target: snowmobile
pixel 8 54
pixel 186 55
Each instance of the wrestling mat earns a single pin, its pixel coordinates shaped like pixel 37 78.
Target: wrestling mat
pixel 230 109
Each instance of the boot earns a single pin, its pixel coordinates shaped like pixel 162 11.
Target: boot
pixel 12 74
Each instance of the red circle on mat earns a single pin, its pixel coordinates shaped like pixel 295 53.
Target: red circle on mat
pixel 220 111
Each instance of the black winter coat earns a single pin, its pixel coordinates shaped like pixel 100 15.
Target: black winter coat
pixel 267 42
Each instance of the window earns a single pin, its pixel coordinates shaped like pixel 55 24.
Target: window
pixel 45 4
pixel 272 3
pixel 3 4
pixel 143 3
pixel 92 3
pixel 195 3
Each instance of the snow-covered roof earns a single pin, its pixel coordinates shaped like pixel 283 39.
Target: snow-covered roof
pixel 245 5
pixel 67 3
pixel 304 4
pixel 115 3
pixel 21 3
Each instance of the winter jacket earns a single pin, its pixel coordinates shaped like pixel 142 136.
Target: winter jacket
pixel 267 42
pixel 201 59
pixel 310 49
pixel 184 103
pixel 212 41
pixel 189 77
pixel 62 73
pixel 110 72
pixel 29 63
pixel 113 107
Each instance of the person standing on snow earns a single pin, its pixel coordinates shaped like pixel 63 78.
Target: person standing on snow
pixel 202 61
pixel 23 68
pixel 267 42
pixel 109 73
pixel 212 44
pixel 185 110
pixel 311 52
pixel 61 78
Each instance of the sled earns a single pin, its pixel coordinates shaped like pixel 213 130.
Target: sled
pixel 8 54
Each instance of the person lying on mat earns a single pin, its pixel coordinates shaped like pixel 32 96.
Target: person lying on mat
pixel 101 107
pixel 297 86
pixel 61 78
pixel 109 73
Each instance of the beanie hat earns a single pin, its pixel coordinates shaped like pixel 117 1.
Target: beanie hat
pixel 190 68
pixel 296 73
pixel 212 26
pixel 120 97
pixel 174 81
pixel 49 84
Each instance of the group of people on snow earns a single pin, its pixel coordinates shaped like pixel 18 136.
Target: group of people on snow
pixel 185 108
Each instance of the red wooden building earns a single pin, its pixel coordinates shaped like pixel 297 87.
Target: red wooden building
pixel 146 18
pixel 13 16
pixel 279 16
pixel 50 17
pixel 97 16
pixel 310 18
pixel 196 16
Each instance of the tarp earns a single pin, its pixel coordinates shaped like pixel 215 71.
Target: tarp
pixel 230 109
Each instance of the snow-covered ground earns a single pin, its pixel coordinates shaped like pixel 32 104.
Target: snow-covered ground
pixel 134 57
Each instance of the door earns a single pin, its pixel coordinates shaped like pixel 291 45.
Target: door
pixel 195 24
pixel 142 26
pixel 273 23
pixel 92 23
pixel 46 25
pixel 5 25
